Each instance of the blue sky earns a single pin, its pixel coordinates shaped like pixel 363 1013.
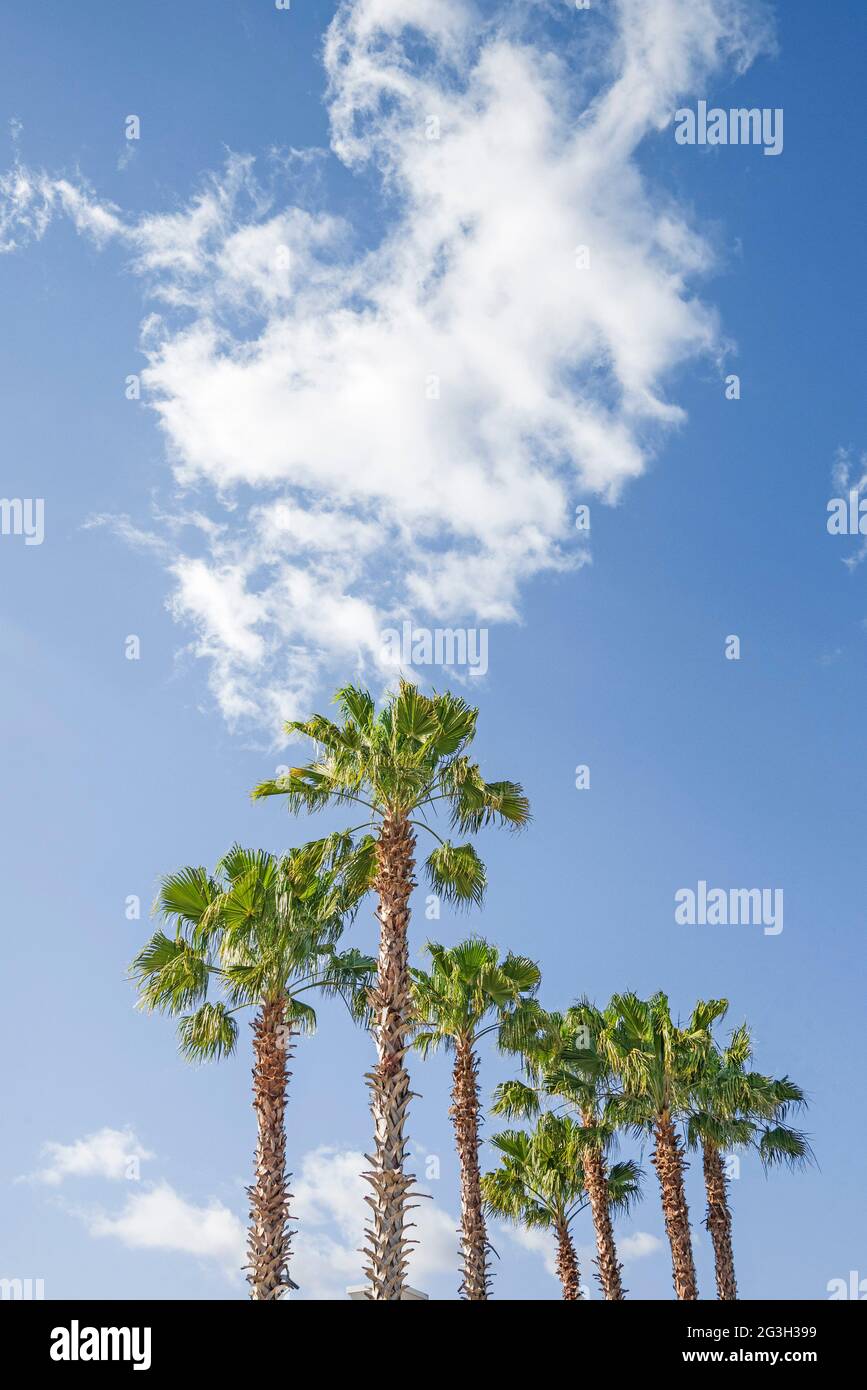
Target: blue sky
pixel 278 494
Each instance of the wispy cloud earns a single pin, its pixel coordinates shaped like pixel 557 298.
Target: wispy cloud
pixel 159 1218
pixel 404 428
pixel 114 1154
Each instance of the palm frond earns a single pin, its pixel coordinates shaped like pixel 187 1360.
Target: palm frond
pixel 209 1032
pixel 457 874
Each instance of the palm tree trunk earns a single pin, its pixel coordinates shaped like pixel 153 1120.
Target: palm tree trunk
pixel 268 1241
pixel 719 1222
pixel 465 1115
pixel 387 1245
pixel 596 1183
pixel 667 1159
pixel 567 1263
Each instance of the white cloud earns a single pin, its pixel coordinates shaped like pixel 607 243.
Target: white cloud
pixel 160 1219
pixel 402 429
pixel 108 1153
pixel 329 1194
pixel 638 1245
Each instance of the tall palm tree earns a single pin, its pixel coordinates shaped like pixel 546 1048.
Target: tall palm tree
pixel 736 1108
pixel 540 1184
pixel 467 985
pixel 563 1065
pixel 399 764
pixel 264 931
pixel 657 1064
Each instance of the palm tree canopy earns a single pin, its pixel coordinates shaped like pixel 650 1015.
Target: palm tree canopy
pixel 560 1060
pixel 735 1107
pixel 467 984
pixel 405 760
pixel 540 1178
pixel 261 927
pixel 656 1060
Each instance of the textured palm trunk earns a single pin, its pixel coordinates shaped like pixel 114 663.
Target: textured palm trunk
pixel 719 1222
pixel 269 1237
pixel 465 1116
pixel 567 1263
pixel 668 1161
pixel 387 1245
pixel 596 1182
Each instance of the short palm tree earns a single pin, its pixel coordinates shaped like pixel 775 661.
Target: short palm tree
pixel 564 1069
pixel 264 931
pixel 657 1064
pixel 736 1108
pixel 467 985
pixel 401 764
pixel 540 1184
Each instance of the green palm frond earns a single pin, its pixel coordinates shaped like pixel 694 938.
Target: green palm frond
pixel 210 1032
pixel 300 1016
pixel 357 707
pixel 172 976
pixel 625 1186
pixel 457 874
pixel 515 1100
pixel 781 1146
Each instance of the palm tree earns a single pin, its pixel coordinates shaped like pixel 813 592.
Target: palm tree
pixel 732 1108
pixel 657 1064
pixel 399 764
pixel 563 1065
pixel 540 1184
pixel 467 985
pixel 264 930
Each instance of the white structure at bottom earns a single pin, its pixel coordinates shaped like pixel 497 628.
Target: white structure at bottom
pixel 359 1293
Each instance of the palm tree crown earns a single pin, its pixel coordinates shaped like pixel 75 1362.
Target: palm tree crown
pixel 401 764
pixel 262 928
pixel 467 984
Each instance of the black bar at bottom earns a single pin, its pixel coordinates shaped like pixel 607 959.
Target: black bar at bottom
pixel 72 1337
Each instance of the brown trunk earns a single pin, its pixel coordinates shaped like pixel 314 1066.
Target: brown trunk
pixel 667 1159
pixel 387 1245
pixel 465 1115
pixel 596 1183
pixel 567 1263
pixel 719 1222
pixel 268 1241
